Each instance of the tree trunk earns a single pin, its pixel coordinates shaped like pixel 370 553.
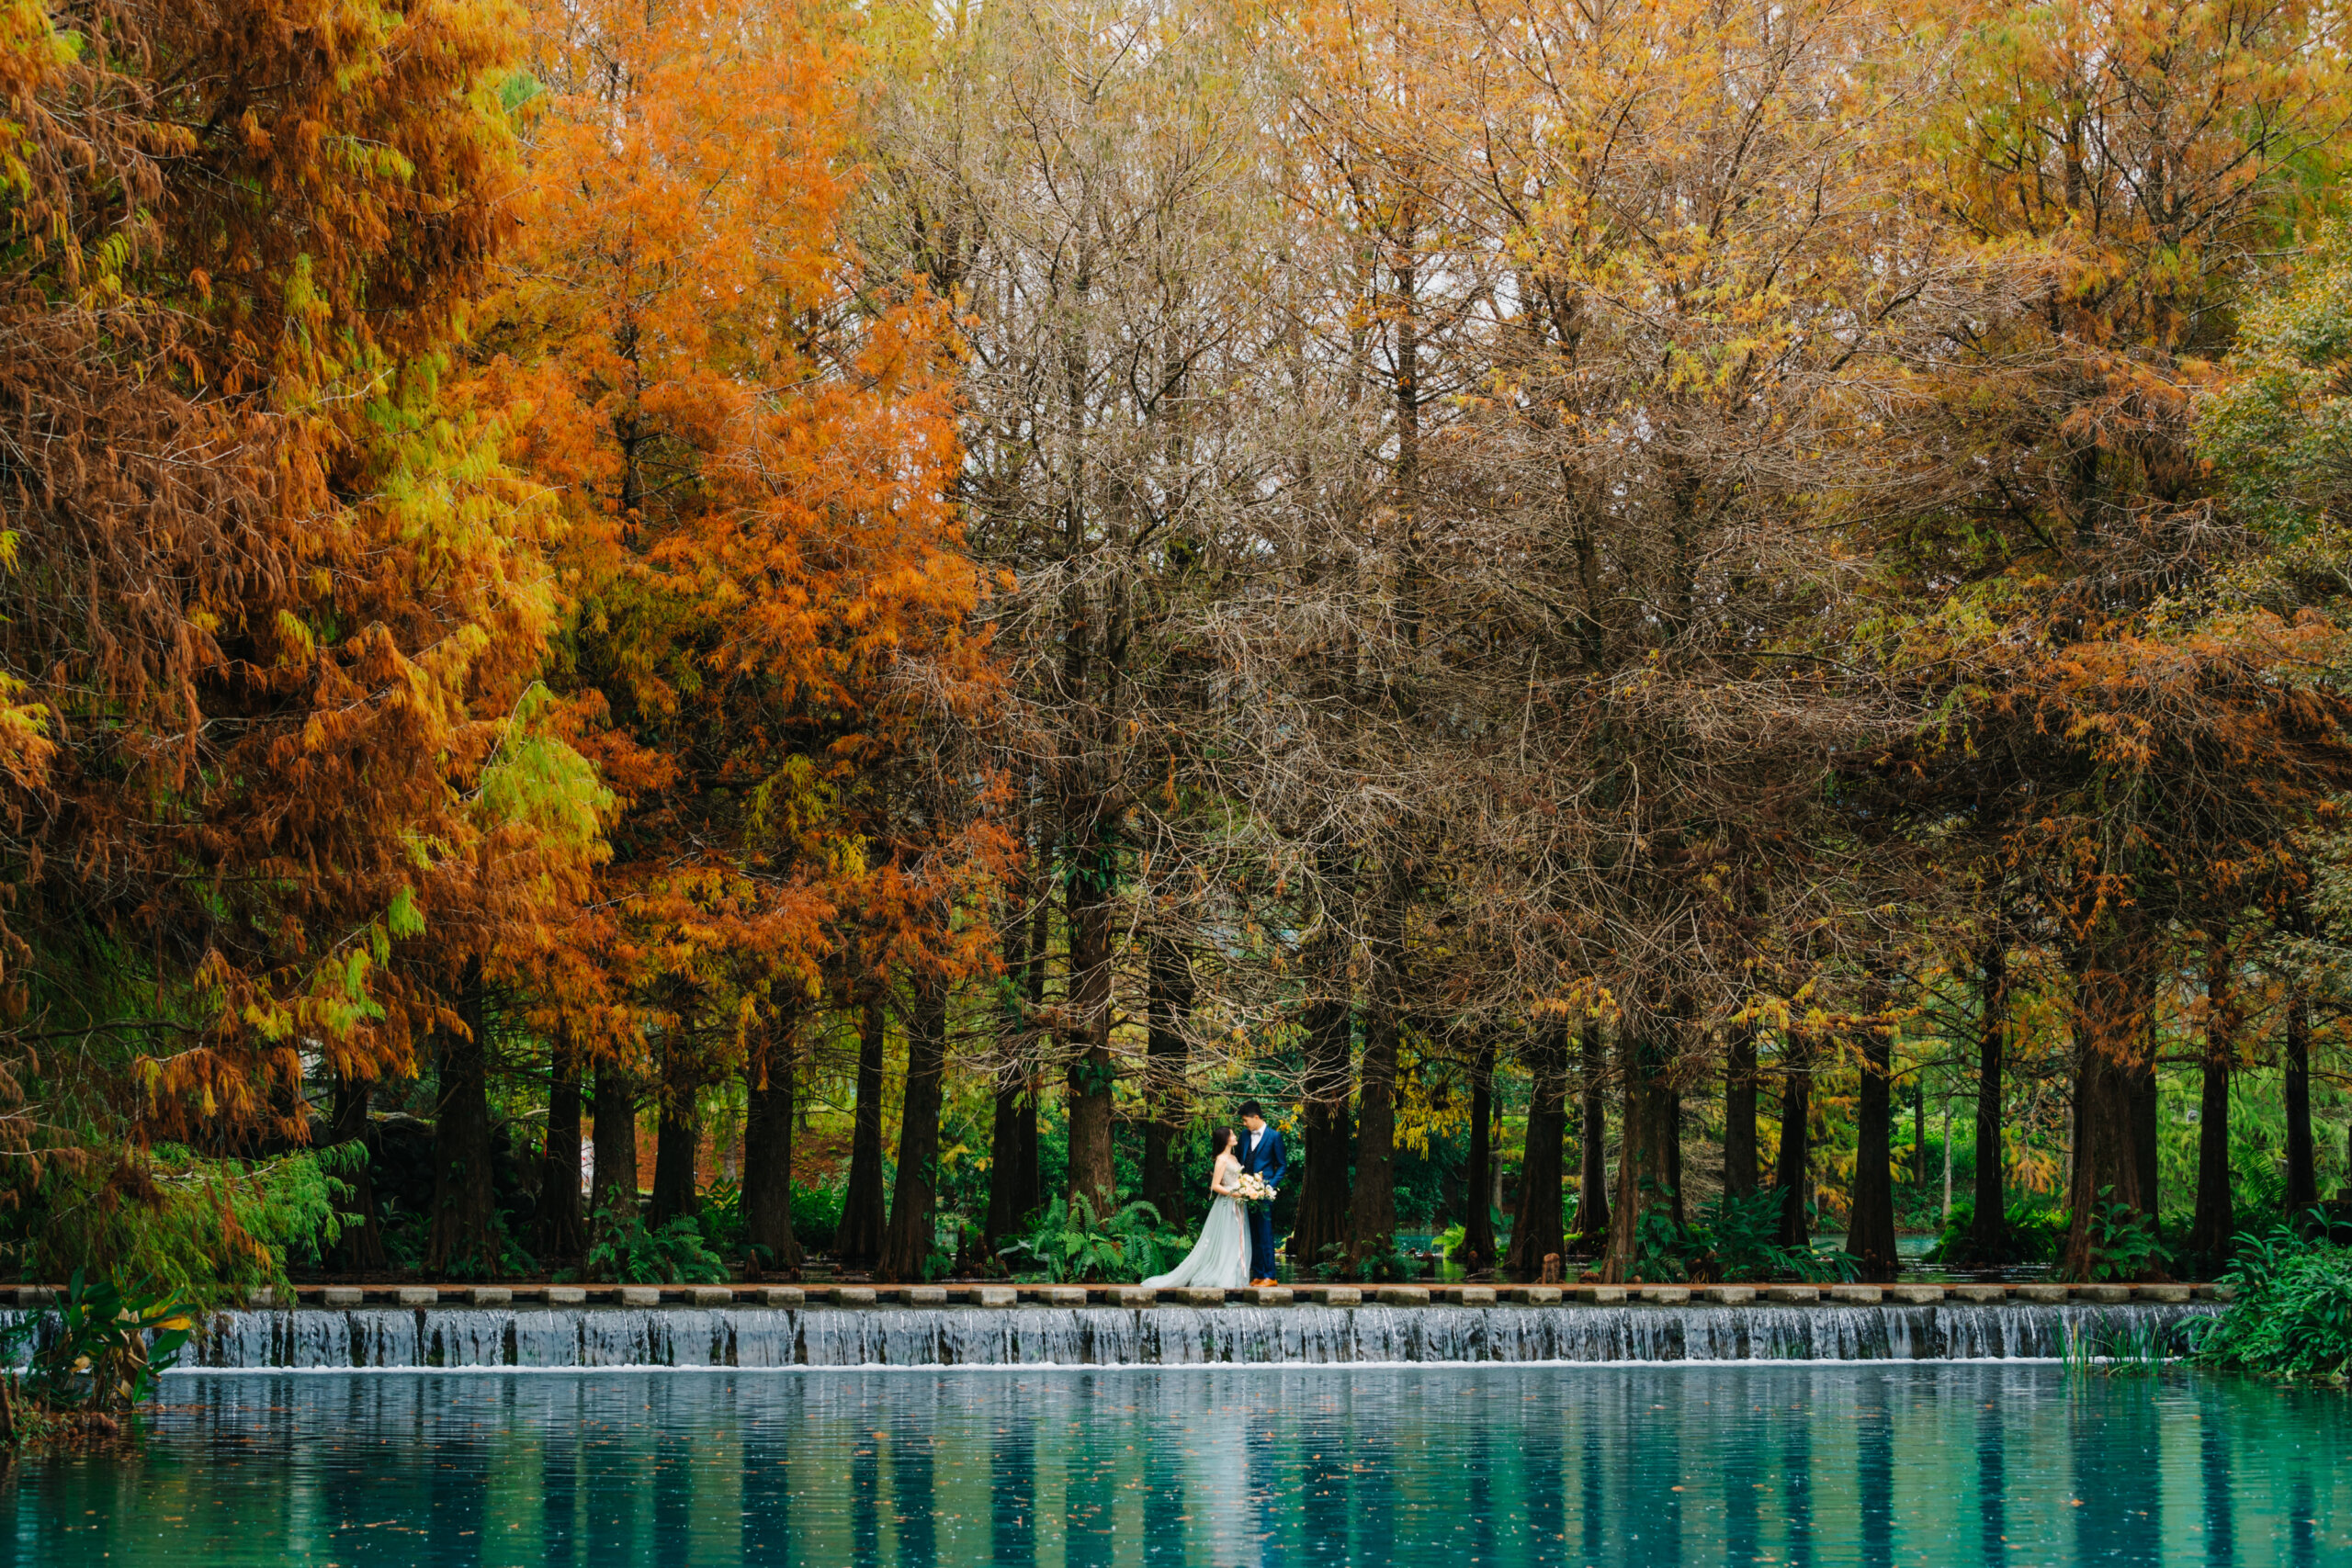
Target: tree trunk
pixel 464 1241
pixel 1947 1208
pixel 2214 1223
pixel 1871 1230
pixel 1166 1076
pixel 2111 979
pixel 1674 1154
pixel 1029 1181
pixel 613 1195
pixel 1919 1131
pixel 1094 1076
pixel 2303 1169
pixel 768 1110
pixel 561 1233
pixel 1372 1217
pixel 676 1136
pixel 1739 1113
pixel 1478 1181
pixel 1988 1230
pixel 1793 1171
pixel 1646 1151
pixel 361 1246
pixel 1538 1228
pixel 1012 1127
pixel 1322 1220
pixel 858 1243
pixel 1013 1157
pixel 2144 1122
pixel 1592 1143
pixel 2106 1163
pixel 906 1247
pixel 1372 1214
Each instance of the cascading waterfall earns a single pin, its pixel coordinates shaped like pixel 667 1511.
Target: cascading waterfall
pixel 559 1338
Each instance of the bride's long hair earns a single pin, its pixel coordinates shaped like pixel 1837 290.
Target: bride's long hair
pixel 1220 1140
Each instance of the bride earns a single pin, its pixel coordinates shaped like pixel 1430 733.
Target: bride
pixel 1220 1259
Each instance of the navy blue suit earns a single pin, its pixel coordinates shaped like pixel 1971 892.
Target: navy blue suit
pixel 1271 1163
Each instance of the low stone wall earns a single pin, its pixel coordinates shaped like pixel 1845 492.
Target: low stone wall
pixel 868 1296
pixel 449 1335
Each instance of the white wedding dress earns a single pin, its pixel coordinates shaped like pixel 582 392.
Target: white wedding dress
pixel 1220 1259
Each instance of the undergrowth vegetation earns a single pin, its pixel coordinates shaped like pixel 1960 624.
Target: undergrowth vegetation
pixel 79 1373
pixel 2291 1314
pixel 625 1249
pixel 203 1231
pixel 1069 1242
pixel 1732 1238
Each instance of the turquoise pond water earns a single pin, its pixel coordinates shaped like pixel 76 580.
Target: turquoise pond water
pixel 1921 1463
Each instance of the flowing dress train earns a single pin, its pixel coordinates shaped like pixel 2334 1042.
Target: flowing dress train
pixel 1220 1259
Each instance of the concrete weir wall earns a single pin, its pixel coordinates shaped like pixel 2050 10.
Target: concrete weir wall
pixel 744 1331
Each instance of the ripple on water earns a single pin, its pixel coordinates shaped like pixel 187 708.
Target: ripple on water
pixel 1412 1466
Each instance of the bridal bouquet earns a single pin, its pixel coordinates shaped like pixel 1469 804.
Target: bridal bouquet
pixel 1254 1189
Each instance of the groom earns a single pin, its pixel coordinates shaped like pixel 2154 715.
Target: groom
pixel 1261 1156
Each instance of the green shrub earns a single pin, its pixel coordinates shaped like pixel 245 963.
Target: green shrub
pixel 202 1231
pixel 1385 1261
pixel 720 1216
pixel 2292 1314
pixel 1734 1238
pixel 817 1214
pixel 2035 1234
pixel 109 1345
pixel 1069 1242
pixel 2124 1244
pixel 625 1251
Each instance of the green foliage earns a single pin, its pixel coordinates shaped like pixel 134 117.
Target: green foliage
pixel 1734 1238
pixel 1068 1241
pixel 2291 1317
pixel 203 1231
pixel 2282 434
pixel 943 1259
pixel 2125 1244
pixel 508 1259
pixel 106 1348
pixel 817 1214
pixel 2111 1345
pixel 1384 1261
pixel 625 1251
pixel 2035 1235
pixel 720 1217
pixel 405 1234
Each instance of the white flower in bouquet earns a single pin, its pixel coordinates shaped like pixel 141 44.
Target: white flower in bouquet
pixel 1254 1190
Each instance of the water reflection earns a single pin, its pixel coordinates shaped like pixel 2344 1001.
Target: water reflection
pixel 1238 1468
pixel 1992 1517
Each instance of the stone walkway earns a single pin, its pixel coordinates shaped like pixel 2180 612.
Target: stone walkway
pixel 1268 1296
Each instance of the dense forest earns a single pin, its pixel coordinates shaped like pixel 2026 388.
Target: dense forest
pixel 1671 626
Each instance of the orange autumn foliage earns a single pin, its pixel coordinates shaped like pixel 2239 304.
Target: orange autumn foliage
pixel 753 451
pixel 269 612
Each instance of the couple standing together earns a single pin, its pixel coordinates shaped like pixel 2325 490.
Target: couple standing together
pixel 1237 1243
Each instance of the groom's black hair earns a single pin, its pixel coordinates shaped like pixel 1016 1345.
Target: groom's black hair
pixel 1250 1108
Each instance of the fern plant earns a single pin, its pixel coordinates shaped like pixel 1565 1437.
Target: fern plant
pixel 2124 1244
pixel 2291 1316
pixel 1734 1238
pixel 107 1345
pixel 627 1252
pixel 1068 1241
